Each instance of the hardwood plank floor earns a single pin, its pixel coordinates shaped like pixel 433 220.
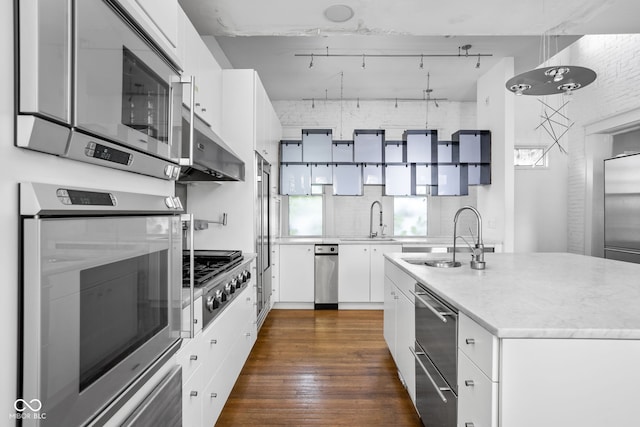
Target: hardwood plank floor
pixel 322 368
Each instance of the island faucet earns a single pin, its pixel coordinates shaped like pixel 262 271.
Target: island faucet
pixel 371 233
pixel 477 257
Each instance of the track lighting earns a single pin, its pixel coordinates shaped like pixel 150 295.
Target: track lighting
pixel 421 62
pixel 396 102
pixel 311 63
pixel 313 103
pixel 478 63
pixel 436 103
pixel 358 103
pixel 363 64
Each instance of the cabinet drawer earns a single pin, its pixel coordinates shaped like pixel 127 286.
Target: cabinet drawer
pixel 192 391
pixel 189 357
pixel 479 345
pixel 477 396
pixel 402 280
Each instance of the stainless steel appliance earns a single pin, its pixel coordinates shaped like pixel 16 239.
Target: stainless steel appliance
pixel 326 277
pixel 263 237
pixel 221 285
pixel 207 157
pixel 100 296
pixel 622 208
pixel 163 406
pixel 436 359
pixel 91 86
pixel 207 265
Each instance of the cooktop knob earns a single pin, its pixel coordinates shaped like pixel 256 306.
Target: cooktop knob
pixel 248 274
pixel 235 284
pixel 241 278
pixel 212 303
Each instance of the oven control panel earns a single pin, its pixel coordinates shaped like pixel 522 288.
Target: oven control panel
pixel 86 198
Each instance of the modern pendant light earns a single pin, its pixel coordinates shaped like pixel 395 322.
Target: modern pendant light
pixel 551 80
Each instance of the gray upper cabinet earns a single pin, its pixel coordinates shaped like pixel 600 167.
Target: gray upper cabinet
pixel 347 180
pixel 394 152
pixel 475 145
pixel 397 180
pixel 291 151
pixel 368 145
pixel 342 151
pixel 422 146
pixel 316 145
pixel 452 181
pixel 295 179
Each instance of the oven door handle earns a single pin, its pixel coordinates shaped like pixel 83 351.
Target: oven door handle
pixel 188 218
pixel 439 390
pixel 191 81
pixel 441 314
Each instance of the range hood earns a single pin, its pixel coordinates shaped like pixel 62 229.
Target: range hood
pixel 213 160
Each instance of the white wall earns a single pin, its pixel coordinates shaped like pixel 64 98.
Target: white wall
pixel 23 165
pixel 495 112
pixel 447 119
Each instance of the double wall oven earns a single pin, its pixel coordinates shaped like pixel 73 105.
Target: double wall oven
pixel 92 87
pixel 101 295
pixel 436 359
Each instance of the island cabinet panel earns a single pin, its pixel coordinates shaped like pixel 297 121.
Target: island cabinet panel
pixel 569 382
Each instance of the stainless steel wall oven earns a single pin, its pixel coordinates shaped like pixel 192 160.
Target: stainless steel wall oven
pixel 101 295
pixel 92 87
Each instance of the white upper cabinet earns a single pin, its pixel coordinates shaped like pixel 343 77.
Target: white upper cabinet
pixel 159 19
pixel 198 61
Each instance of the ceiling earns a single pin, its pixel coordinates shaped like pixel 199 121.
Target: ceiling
pixel 266 36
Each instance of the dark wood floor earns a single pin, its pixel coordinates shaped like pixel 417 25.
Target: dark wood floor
pixel 323 368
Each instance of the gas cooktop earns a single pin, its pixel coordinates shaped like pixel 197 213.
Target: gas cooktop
pixel 208 264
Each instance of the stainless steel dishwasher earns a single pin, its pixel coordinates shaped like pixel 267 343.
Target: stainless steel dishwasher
pixel 326 277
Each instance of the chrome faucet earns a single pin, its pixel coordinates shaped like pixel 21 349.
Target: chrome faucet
pixel 371 233
pixel 477 256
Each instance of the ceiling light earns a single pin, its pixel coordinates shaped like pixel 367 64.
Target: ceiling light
pixel 478 63
pixel 436 103
pixel 311 63
pixel 313 103
pixel 466 48
pixel 544 81
pixel 363 64
pixel 519 88
pixel 358 104
pixel 421 62
pixel 396 102
pixel 338 13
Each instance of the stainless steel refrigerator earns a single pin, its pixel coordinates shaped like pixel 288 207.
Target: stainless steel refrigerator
pixel 263 236
pixel 622 208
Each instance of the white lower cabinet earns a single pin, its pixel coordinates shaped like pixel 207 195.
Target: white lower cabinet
pixel 361 272
pixel 477 396
pixel 297 274
pixel 213 359
pixel 399 332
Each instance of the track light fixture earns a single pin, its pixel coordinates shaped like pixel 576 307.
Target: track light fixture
pixel 478 63
pixel 396 102
pixel 463 52
pixel 313 103
pixel 358 103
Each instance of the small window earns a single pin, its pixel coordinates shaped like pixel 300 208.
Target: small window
pixel 529 157
pixel 410 216
pixel 305 215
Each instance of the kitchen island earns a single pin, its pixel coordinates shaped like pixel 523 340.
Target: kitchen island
pixel 543 339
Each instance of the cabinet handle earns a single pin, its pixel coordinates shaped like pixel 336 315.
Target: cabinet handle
pixel 469 383
pixel 214 341
pixel 214 395
pixel 248 334
pixel 470 341
pixel 195 321
pixel 248 299
pixel 193 394
pixel 193 357
pixel 439 314
pixel 204 110
pixel 438 389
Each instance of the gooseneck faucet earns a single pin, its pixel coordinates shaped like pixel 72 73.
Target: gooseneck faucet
pixel 477 257
pixel 371 233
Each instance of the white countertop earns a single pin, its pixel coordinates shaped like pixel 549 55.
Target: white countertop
pixel 539 295
pixel 404 241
